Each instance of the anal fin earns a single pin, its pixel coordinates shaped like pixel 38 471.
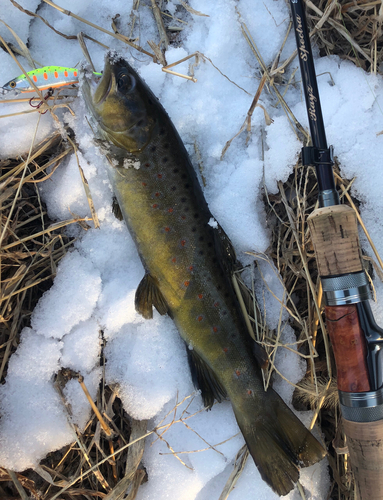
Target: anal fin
pixel 148 295
pixel 204 379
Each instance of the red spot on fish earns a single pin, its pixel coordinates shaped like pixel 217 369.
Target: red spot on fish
pixel 174 260
pixel 34 78
pixel 170 210
pixel 191 268
pixel 238 373
pixel 215 329
pixel 200 318
pixel 45 75
pixel 186 283
pixel 66 74
pixel 157 194
pixel 225 349
pixel 200 296
pixel 74 73
pixel 167 229
pixel 144 184
pixel 147 164
pixel 56 74
pixel 159 176
pixel 183 243
pixel 249 392
pixel 183 217
pixel 216 304
pixel 155 205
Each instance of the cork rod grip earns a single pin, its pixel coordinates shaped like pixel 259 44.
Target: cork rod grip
pixel 365 444
pixel 349 346
pixel 334 233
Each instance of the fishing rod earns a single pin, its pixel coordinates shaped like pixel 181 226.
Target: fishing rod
pixel 356 339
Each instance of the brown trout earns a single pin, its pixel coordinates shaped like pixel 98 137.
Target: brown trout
pixel 188 266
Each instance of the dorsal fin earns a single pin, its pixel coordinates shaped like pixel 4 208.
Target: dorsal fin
pixel 229 264
pixel 148 295
pixel 204 379
pixel 225 250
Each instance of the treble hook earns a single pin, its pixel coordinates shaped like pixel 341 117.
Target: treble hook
pixel 47 95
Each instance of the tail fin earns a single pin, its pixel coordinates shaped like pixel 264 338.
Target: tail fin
pixel 278 442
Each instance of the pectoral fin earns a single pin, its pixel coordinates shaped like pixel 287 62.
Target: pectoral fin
pixel 204 379
pixel 116 209
pixel 148 295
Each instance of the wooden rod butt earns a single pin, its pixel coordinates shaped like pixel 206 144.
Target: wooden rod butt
pixel 365 444
pixel 349 345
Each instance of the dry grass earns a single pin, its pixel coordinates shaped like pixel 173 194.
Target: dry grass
pixel 351 29
pixel 30 246
pixel 104 461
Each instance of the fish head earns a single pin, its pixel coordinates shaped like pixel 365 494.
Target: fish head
pixel 120 104
pixel 19 84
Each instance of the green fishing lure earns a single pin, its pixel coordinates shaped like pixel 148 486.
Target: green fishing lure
pixel 49 77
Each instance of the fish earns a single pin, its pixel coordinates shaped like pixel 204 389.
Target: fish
pixel 188 261
pixel 48 77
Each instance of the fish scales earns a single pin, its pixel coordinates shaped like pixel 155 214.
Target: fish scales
pixel 188 266
pixel 166 212
pixel 163 205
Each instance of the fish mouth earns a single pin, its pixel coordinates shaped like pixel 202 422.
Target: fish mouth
pixel 104 85
pixel 95 90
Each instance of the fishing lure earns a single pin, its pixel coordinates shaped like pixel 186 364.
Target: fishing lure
pixel 48 77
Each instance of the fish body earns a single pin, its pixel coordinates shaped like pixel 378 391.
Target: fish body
pixel 188 261
pixel 45 78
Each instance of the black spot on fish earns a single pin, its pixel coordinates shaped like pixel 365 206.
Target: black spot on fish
pixel 187 186
pixel 162 131
pixel 183 200
pixel 201 238
pixel 173 188
pixel 153 148
pixel 176 170
pixel 194 229
pixel 196 216
pixel 184 176
pixel 165 159
pixel 201 252
pixel 139 123
pixel 166 146
pixel 210 244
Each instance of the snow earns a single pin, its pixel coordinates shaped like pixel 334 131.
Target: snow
pixel 96 282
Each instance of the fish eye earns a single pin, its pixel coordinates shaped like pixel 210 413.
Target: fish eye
pixel 125 82
pixel 12 84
